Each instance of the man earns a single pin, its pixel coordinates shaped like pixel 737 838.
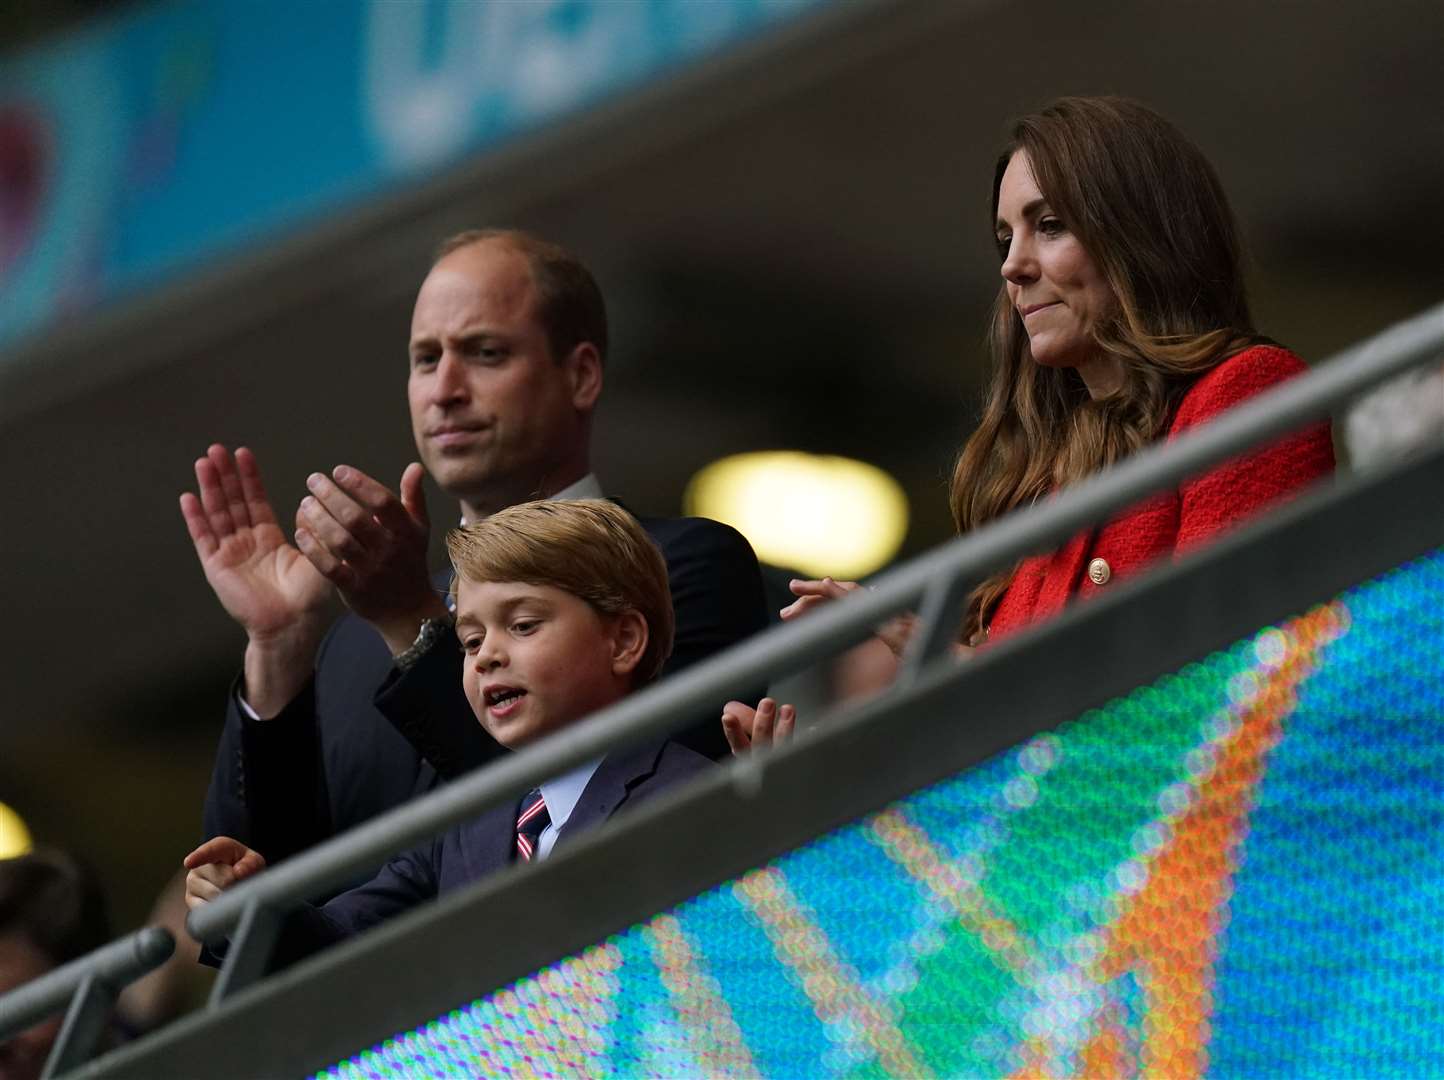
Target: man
pixel 326 729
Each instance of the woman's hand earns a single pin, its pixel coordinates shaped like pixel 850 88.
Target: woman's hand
pixel 895 633
pixel 217 865
pixel 765 725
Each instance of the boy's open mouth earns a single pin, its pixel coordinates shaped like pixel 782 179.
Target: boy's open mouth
pixel 501 698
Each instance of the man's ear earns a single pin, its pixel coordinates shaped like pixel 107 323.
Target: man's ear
pixel 629 641
pixel 584 368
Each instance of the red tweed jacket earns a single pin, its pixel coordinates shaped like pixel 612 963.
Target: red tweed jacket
pixel 1172 523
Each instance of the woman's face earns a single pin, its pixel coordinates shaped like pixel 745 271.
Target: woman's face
pixel 1058 290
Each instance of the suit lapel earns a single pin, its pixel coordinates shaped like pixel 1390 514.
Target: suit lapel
pixel 610 787
pixel 487 841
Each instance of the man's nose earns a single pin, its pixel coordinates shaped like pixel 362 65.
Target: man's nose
pixel 449 386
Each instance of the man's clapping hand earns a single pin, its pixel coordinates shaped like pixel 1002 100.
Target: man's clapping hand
pixel 372 545
pixel 262 581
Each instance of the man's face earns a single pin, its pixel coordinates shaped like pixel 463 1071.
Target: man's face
pixel 493 412
pixel 538 658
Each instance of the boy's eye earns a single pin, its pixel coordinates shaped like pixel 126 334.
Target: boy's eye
pixel 471 642
pixel 524 626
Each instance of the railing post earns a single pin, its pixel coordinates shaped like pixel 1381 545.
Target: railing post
pixel 937 626
pixel 249 952
pixel 84 1021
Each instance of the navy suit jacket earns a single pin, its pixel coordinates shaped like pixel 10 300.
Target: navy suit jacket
pixel 480 847
pixel 361 739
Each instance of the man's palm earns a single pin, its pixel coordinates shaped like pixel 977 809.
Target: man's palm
pixel 263 582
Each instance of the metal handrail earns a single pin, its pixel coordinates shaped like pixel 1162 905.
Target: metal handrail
pixel 117 965
pixel 939 579
pixel 663 707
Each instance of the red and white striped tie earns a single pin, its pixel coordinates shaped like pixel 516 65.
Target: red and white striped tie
pixel 531 819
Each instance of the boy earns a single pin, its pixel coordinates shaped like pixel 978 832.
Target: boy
pixel 562 608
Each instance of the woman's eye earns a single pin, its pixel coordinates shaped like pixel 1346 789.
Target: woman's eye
pixel 1004 242
pixel 1051 226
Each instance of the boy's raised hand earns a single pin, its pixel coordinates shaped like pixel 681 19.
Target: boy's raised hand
pixel 217 865
pixel 765 725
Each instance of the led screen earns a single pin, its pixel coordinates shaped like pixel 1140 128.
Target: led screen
pixel 1235 871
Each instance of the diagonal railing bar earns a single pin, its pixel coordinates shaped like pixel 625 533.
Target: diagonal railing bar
pixel 249 953
pixel 84 1023
pixel 937 627
pixel 663 708
pixel 116 965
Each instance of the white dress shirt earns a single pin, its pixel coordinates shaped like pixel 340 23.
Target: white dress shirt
pixel 561 796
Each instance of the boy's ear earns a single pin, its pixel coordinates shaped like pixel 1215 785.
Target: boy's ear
pixel 629 641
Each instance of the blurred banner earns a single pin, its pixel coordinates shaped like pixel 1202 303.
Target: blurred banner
pixel 186 131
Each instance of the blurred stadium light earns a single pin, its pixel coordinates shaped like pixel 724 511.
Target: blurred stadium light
pixel 820 514
pixel 14 836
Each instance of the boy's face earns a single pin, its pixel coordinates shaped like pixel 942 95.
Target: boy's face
pixel 539 658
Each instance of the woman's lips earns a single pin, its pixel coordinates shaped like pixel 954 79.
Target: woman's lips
pixel 1033 309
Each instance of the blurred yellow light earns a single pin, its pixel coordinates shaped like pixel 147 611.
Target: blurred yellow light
pixel 14 836
pixel 821 515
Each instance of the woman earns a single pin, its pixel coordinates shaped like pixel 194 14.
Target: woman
pixel 1121 320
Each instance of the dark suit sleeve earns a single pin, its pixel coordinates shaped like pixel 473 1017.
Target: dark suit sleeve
pixel 268 789
pixel 326 763
pixel 405 881
pixel 717 596
pixel 425 704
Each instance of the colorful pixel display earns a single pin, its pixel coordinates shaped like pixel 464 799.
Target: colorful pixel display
pixel 1235 871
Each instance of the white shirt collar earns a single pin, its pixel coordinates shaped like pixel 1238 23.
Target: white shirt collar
pixel 562 795
pixel 588 487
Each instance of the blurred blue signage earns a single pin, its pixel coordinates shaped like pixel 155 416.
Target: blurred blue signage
pixel 188 130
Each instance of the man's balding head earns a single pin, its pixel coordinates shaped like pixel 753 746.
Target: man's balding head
pixel 569 303
pixel 506 368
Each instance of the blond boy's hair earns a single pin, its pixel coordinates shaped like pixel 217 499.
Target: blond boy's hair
pixel 590 548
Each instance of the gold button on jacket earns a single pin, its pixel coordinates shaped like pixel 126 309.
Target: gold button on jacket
pixel 1099 571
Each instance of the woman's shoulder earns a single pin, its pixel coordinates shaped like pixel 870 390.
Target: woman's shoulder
pixel 1246 373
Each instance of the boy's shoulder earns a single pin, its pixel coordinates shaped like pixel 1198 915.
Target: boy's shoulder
pixel 652 765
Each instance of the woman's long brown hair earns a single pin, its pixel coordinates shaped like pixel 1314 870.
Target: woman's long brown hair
pixel 1148 208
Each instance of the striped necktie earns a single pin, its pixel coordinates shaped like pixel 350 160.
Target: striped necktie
pixel 531 819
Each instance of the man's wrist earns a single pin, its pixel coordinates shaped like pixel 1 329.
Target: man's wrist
pixel 276 670
pixel 433 632
pixel 400 632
